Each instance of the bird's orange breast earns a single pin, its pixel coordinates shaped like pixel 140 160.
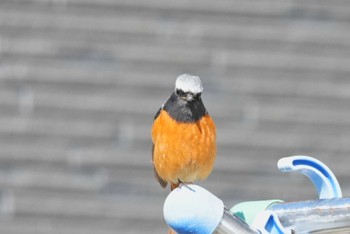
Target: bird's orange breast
pixel 183 151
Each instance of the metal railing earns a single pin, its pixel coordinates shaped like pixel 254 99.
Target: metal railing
pixel 193 209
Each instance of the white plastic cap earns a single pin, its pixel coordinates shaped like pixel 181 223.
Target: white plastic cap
pixel 193 209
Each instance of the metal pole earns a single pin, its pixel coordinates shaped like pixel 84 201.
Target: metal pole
pixel 231 224
pixel 192 209
pixel 326 215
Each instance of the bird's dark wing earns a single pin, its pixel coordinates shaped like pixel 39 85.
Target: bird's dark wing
pixel 157 114
pixel 162 182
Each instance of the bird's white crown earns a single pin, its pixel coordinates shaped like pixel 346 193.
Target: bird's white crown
pixel 189 83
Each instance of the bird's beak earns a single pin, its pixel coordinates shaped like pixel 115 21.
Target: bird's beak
pixel 189 97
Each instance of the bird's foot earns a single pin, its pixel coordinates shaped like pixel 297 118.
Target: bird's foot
pixel 185 184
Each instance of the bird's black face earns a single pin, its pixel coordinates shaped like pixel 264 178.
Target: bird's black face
pixel 185 106
pixel 187 96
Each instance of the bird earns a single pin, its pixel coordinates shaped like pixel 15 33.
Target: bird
pixel 183 136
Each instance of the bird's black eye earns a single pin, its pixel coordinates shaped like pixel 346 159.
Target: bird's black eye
pixel 180 93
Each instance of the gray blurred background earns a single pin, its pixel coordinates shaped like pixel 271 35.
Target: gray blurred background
pixel 80 81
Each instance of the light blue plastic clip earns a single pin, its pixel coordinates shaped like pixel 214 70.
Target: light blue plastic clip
pixel 321 176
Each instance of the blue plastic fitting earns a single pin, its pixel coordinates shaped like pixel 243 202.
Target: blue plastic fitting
pixel 320 175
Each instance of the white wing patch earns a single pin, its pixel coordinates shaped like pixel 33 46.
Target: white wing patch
pixel 189 83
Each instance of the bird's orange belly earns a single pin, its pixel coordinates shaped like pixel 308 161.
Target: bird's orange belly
pixel 183 151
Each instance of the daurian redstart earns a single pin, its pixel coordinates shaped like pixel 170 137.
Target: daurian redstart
pixel 183 135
